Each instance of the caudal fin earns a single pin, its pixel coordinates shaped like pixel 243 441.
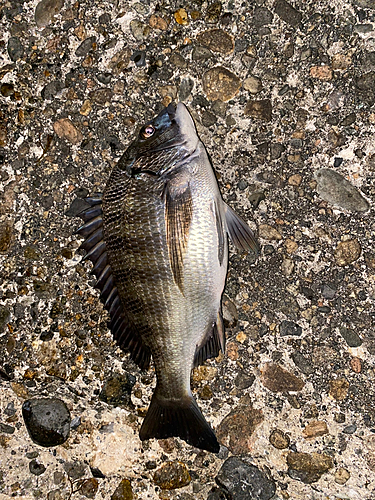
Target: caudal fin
pixel 179 419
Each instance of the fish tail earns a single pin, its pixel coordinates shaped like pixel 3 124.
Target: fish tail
pixel 179 418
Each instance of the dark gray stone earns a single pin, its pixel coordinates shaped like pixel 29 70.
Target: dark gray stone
pixel 302 363
pixel 15 48
pixel 36 468
pixel 4 317
pixel 351 337
pixel 328 291
pixel 7 429
pixel 244 380
pixel 262 17
pixel 349 429
pixel 47 421
pixel 287 13
pixel 75 470
pixel 52 89
pixel 85 46
pixel 290 328
pixel 244 481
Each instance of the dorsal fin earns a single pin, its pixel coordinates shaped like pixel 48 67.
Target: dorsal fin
pixel 125 335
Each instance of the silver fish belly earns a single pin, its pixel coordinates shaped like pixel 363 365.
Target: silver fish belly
pixel 158 241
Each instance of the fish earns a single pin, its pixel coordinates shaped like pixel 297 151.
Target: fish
pixel 158 241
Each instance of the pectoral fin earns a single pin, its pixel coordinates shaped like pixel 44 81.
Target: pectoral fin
pixel 178 215
pixel 239 232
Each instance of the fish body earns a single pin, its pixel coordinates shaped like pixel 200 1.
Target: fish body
pixel 164 251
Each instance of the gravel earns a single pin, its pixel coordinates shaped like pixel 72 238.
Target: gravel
pixel 282 93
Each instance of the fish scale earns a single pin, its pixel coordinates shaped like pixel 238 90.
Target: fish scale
pixel 162 264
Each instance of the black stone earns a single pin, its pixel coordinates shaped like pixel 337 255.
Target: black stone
pixel 15 48
pixel 351 337
pixel 36 468
pixel 256 198
pixel 290 328
pixel 97 473
pixel 244 380
pixel 4 317
pixel 337 162
pixel 307 292
pixel 117 390
pixel 32 454
pixel 139 58
pixel 47 421
pixel 261 17
pixel 244 481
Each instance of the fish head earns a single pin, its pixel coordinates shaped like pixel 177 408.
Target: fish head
pixel 172 131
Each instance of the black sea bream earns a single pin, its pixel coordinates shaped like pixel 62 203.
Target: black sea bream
pixel 158 240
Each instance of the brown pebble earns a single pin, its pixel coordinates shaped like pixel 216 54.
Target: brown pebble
pixel 261 109
pixel 279 439
pixel 347 252
pixel 232 351
pixel 295 180
pixel 356 365
pixel 65 129
pixel 323 73
pixel 338 389
pixel 204 372
pixel 314 429
pixel 216 40
pixel 172 475
pixel 158 23
pixel 290 245
pixel 268 232
pixel 277 379
pixel 342 475
pixel 20 390
pixel 220 84
pixel 236 429
pixel 123 491
pixel 6 237
pixel 309 467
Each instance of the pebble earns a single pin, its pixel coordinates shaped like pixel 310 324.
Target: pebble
pixel 302 363
pixel 350 336
pixel 65 129
pixel 356 365
pixel 244 380
pixel 89 487
pixel 6 237
pixel 262 17
pixel 243 481
pixel 236 429
pixel 75 470
pixel 328 291
pixel 47 421
pixel 15 48
pixel 314 429
pixel 7 429
pixel 290 328
pixel 256 197
pixel 181 17
pixel 201 53
pixel 334 188
pixel 252 84
pixel 101 96
pixel 216 40
pixel 46 10
pixel 186 86
pixel 279 439
pixel 342 475
pixel 7 89
pixel 85 47
pixel 220 83
pixel 307 467
pixel 277 379
pixel 261 109
pixel 349 429
pixel 36 468
pixel 123 491
pixel 287 13
pixel 338 389
pixel 213 12
pixel 76 207
pixel 295 180
pixel 268 232
pixel 117 390
pixel 323 73
pixel 158 23
pixel 172 475
pixel 139 58
pixel 138 29
pixel 347 252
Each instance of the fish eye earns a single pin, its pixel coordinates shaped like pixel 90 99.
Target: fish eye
pixel 148 131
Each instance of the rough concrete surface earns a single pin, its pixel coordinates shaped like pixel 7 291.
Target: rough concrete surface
pixel 283 97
